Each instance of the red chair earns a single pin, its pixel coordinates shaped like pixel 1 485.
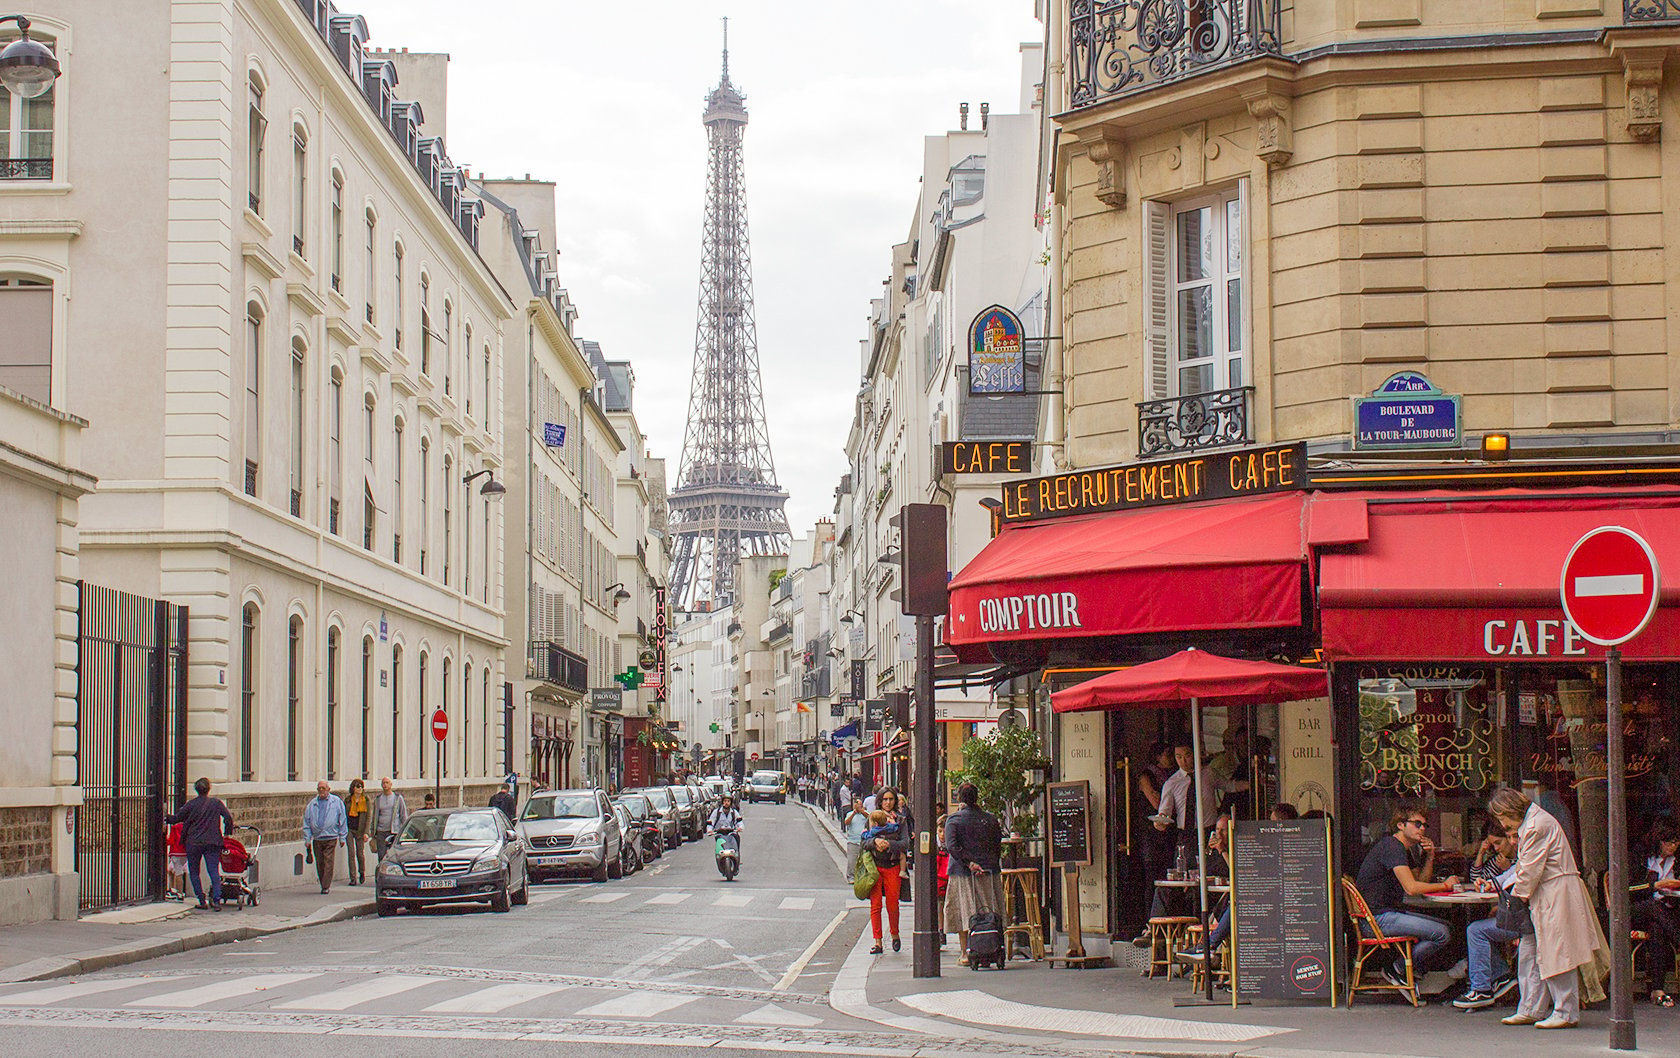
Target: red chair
pixel 1371 941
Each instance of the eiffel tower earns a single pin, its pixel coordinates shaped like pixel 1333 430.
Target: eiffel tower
pixel 726 505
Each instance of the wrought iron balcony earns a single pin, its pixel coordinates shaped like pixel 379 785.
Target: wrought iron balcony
pixel 552 663
pixel 26 168
pixel 1195 423
pixel 1651 10
pixel 1117 47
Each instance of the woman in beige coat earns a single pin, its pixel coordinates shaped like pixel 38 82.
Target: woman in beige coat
pixel 1566 936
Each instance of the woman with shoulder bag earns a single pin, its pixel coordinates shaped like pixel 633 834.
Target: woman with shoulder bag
pixel 1564 941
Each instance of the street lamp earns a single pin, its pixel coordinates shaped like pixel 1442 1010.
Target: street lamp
pixel 851 615
pixel 617 592
pixel 28 68
pixel 492 488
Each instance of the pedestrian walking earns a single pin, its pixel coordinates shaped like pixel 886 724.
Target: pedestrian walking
pixel 204 822
pixel 974 844
pixel 390 812
pixel 429 802
pixel 358 813
pixel 325 828
pixel 1566 944
pixel 886 842
pixel 855 823
pixel 503 799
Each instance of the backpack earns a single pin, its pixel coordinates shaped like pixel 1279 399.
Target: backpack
pixel 865 875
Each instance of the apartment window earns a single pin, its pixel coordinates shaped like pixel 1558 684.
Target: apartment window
pixel 295 408
pixel 443 341
pixel 466 711
pixel 398 306
pixel 333 662
pixel 466 387
pixel 26 127
pixel 26 309
pixel 484 729
pixel 300 193
pixel 253 396
pixel 337 211
pixel 256 131
pixel 396 703
pixel 397 493
pixel 367 698
pixel 443 758
pixel 371 277
pixel 425 325
pixel 1195 298
pixel 488 550
pixel 448 519
pixel 466 541
pixel 369 511
pixel 425 715
pixel 425 499
pixel 294 690
pixel 335 453
pixel 488 388
pixel 248 691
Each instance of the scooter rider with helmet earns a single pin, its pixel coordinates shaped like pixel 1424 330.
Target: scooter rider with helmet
pixel 726 819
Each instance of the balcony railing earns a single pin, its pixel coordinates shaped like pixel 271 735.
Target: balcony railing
pixel 1117 47
pixel 26 168
pixel 1651 10
pixel 552 663
pixel 1194 423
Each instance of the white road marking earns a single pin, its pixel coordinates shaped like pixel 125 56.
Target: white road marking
pixel 355 993
pixel 670 898
pixel 1613 584
pixel 543 898
pixel 637 1005
pixel 732 900
pixel 796 903
pixel 495 999
pixel 771 1014
pixel 981 1008
pixel 804 959
pixel 76 990
pixel 660 956
pixel 603 898
pixel 748 961
pixel 239 986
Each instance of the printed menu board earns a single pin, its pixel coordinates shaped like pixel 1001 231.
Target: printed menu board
pixel 1281 910
pixel 1070 822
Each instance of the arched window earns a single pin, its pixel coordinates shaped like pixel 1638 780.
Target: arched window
pixel 26 125
pixel 444 705
pixel 335 450
pixel 295 410
pixel 425 325
pixel 26 319
pixel 256 132
pixel 489 549
pixel 466 712
pixel 336 218
pixel 248 691
pixel 294 692
pixel 399 305
pixel 370 280
pixel 253 395
pixel 443 341
pixel 425 714
pixel 333 663
pixel 425 499
pixel 397 491
pixel 488 733
pixel 466 535
pixel 369 511
pixel 396 704
pixel 300 189
pixel 466 382
pixel 448 516
pixel 489 388
pixel 367 699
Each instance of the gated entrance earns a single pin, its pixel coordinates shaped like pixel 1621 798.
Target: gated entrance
pixel 131 739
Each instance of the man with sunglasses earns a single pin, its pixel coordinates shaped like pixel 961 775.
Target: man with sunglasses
pixel 1401 865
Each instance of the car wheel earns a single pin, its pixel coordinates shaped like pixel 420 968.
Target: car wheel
pixel 501 900
pixel 523 897
pixel 384 908
pixel 615 869
pixel 600 872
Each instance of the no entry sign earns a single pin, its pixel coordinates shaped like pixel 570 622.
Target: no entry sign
pixel 1610 585
pixel 440 725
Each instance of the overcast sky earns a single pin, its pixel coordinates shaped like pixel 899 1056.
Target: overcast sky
pixel 605 100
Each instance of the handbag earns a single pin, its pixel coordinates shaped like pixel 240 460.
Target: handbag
pixel 309 852
pixel 865 875
pixel 1514 915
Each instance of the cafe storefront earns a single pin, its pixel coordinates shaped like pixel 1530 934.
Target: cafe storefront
pixel 1429 593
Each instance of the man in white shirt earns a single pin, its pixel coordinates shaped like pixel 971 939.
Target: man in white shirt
pixel 1178 805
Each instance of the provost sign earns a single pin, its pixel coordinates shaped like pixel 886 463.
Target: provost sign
pixel 997 353
pixel 1407 411
pixel 1206 476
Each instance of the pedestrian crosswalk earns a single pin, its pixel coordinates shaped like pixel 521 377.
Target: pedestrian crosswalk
pixel 729 898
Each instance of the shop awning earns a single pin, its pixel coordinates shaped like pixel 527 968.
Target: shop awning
pixel 1446 577
pixel 1225 565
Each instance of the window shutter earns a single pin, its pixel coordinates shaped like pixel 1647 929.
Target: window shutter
pixel 1157 298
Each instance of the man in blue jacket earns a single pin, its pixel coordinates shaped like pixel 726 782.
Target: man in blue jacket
pixel 324 830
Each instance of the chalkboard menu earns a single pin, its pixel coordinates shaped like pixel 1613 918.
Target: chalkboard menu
pixel 1070 823
pixel 1281 907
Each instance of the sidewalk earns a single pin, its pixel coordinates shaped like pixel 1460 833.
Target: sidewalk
pixel 1117 1009
pixel 114 938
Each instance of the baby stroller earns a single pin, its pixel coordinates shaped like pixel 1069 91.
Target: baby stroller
pixel 239 868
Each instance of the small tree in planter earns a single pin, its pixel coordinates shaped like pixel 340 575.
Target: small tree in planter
pixel 998 765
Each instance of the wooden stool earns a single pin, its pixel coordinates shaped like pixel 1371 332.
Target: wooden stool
pixel 1025 881
pixel 1190 954
pixel 1166 933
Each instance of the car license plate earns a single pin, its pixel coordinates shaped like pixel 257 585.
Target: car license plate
pixel 437 883
pixel 547 859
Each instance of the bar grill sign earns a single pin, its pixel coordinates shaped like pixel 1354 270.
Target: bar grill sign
pixel 1407 411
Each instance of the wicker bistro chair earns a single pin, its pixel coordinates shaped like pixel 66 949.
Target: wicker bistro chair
pixel 1372 941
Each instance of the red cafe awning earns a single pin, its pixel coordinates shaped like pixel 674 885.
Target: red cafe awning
pixel 1229 564
pixel 1444 577
pixel 1194 677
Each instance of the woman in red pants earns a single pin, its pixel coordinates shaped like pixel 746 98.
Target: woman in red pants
pixel 886 841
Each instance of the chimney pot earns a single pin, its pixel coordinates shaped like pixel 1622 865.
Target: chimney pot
pixel 985 115
pixel 963 112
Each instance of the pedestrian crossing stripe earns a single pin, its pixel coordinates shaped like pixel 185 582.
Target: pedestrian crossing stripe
pixel 495 999
pixel 212 993
pixel 366 990
pixel 670 898
pixel 637 1005
pixel 37 997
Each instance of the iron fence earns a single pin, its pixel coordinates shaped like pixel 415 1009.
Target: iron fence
pixel 1117 47
pixel 1194 423
pixel 1651 10
pixel 26 168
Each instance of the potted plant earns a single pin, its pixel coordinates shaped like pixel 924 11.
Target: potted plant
pixel 1005 767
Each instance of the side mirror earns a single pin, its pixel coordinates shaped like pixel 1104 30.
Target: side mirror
pixel 513 835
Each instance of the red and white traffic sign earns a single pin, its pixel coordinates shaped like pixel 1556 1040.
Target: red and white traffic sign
pixel 1610 585
pixel 440 725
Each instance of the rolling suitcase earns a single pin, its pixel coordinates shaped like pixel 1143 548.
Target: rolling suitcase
pixel 985 940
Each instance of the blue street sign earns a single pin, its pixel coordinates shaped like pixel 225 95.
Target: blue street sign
pixel 1406 411
pixel 554 434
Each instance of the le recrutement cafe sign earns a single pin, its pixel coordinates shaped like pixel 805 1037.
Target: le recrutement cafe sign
pixel 1187 479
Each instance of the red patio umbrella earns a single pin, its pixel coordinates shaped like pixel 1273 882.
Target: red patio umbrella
pixel 1196 679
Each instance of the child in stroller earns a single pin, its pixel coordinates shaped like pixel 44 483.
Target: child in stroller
pixel 239 868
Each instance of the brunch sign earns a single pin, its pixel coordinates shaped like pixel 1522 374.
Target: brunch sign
pixel 1207 476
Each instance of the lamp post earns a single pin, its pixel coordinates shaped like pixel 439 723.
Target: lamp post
pixel 28 68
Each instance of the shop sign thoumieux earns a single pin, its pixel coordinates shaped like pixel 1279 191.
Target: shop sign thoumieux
pixel 1205 476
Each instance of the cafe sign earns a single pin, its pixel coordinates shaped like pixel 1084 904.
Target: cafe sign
pixel 1187 479
pixel 985 457
pixel 1406 411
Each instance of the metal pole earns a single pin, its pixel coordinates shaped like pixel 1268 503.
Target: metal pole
pixel 1201 838
pixel 923 769
pixel 1621 988
pixel 437 773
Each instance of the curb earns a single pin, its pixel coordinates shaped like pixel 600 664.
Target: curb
pixel 172 944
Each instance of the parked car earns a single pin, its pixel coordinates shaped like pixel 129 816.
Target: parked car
pixel 767 785
pixel 453 856
pixel 688 807
pixel 707 799
pixel 716 786
pixel 630 850
pixel 665 807
pixel 645 819
pixel 572 831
